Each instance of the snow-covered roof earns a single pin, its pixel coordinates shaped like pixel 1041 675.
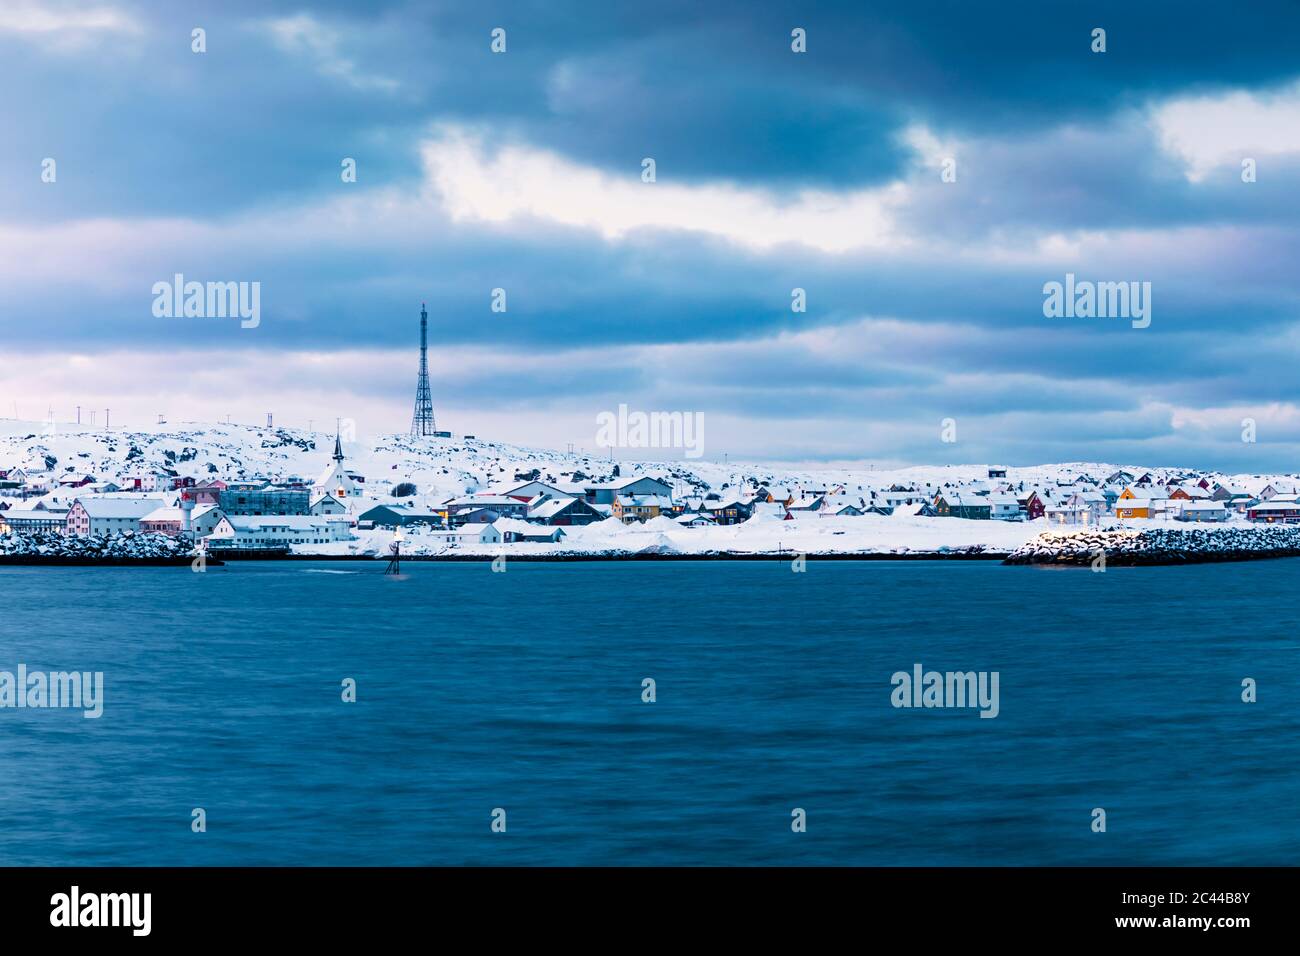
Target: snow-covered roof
pixel 550 507
pixel 516 526
pixel 116 507
pixel 295 522
pixel 645 501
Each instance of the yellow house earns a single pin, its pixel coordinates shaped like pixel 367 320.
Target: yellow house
pixel 1129 505
pixel 629 508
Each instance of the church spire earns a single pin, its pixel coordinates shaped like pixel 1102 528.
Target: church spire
pixel 338 445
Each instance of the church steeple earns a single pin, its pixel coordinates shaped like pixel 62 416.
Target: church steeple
pixel 338 446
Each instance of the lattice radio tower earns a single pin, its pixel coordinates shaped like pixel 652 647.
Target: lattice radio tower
pixel 422 422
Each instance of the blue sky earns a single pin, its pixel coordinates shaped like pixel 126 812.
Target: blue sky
pixel 775 170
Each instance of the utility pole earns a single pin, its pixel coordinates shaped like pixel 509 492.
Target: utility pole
pixel 107 427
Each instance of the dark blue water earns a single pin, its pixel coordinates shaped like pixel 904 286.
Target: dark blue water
pixel 522 690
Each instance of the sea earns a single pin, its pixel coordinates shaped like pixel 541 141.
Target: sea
pixel 505 717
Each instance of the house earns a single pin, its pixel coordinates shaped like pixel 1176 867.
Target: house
pixel 731 511
pixel 148 481
pixel 512 529
pixel 467 534
pixel 807 503
pixel 1130 505
pixel 204 520
pixel 33 480
pixel 475 508
pixel 276 531
pixel 997 471
pixel 1004 508
pixel 1121 478
pixel 896 496
pixel 1201 511
pixel 781 496
pixel 75 481
pixel 207 492
pixel 35 519
pixel 1274 512
pixel 953 505
pixel 168 519
pixel 563 512
pixel 1069 512
pixel 640 507
pixel 696 519
pixel 840 511
pixel 394 516
pixel 327 505
pixel 531 489
pixel 1032 505
pixel 1095 501
pixel 604 493
pixel 108 515
pixel 1276 489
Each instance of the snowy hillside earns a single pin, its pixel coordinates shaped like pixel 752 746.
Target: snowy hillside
pixel 441 467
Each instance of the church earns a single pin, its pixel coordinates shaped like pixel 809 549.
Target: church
pixel 336 480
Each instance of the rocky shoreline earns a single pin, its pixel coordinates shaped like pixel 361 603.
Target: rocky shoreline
pixel 126 548
pixel 1159 546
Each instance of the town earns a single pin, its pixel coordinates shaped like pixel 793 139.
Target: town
pixel 286 513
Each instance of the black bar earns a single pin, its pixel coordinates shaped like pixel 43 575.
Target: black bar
pixel 332 905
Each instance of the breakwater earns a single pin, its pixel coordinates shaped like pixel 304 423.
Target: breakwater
pixel 126 547
pixel 1157 546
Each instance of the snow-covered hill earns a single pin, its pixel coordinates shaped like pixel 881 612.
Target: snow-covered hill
pixel 441 467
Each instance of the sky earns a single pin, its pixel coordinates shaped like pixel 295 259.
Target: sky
pixel 921 174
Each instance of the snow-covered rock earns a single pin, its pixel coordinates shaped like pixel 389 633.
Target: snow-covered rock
pixel 123 546
pixel 1160 545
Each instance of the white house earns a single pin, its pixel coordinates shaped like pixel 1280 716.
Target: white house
pixel 1071 512
pixel 327 504
pixel 465 534
pixel 204 520
pixel 1202 511
pixel 277 531
pixel 512 529
pixel 1004 507
pixel 110 514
